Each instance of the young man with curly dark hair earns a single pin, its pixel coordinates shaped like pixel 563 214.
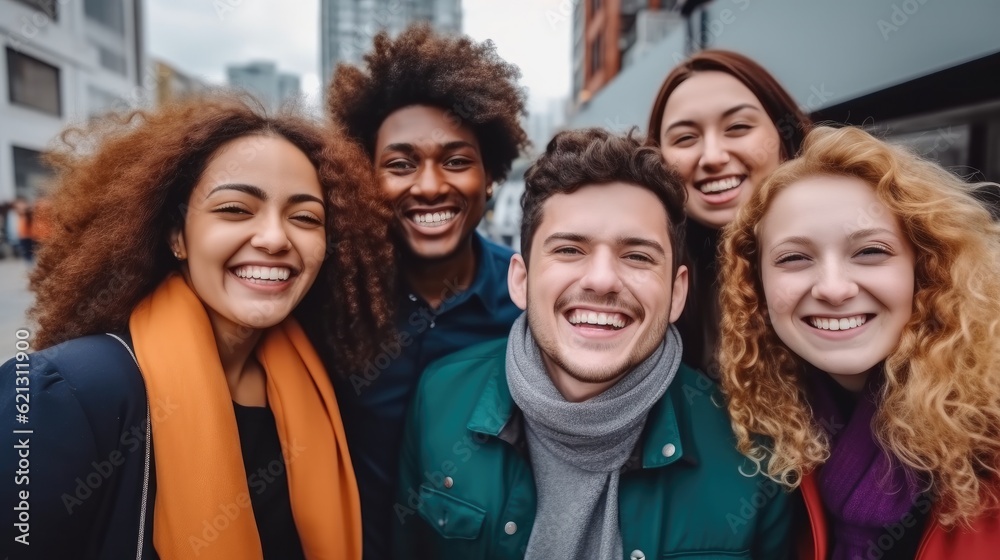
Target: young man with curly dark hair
pixel 582 435
pixel 440 117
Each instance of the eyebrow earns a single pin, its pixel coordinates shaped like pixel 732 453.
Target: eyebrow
pixel 726 113
pixel 627 241
pixel 409 148
pixel 259 193
pixel 868 232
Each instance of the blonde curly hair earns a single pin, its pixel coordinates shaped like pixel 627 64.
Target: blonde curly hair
pixel 940 405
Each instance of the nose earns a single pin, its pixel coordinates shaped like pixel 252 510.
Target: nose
pixel 834 284
pixel 271 235
pixel 429 183
pixel 601 274
pixel 714 154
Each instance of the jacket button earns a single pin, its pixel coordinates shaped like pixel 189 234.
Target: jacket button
pixel 510 528
pixel 637 555
pixel 668 451
pixel 448 482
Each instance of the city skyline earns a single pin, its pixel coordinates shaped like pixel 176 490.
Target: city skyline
pixel 202 39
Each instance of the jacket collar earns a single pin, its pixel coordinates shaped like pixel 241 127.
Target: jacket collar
pixel 664 441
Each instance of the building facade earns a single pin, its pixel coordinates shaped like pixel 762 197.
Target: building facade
pixel 347 27
pixel 914 71
pixel 63 61
pixel 609 35
pixel 263 81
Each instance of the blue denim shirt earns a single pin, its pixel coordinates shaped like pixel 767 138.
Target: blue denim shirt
pixel 374 402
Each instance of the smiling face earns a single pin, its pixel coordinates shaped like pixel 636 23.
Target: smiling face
pixel 600 292
pixel 253 237
pixel 838 275
pixel 431 169
pixel 722 142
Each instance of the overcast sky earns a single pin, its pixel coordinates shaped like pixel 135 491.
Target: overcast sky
pixel 202 37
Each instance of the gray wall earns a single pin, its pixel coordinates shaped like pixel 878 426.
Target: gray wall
pixel 823 52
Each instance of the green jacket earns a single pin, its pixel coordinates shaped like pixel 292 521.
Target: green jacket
pixel 467 491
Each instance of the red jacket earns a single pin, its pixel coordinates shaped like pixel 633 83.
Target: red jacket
pixel 981 542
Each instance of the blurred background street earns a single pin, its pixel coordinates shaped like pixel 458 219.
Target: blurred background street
pixel 14 301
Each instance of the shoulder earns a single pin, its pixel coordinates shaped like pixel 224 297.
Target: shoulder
pixel 97 371
pixel 462 374
pixel 472 362
pixel 699 402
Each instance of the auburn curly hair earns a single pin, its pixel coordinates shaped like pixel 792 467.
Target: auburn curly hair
pixel 470 81
pixel 940 405
pixel 122 183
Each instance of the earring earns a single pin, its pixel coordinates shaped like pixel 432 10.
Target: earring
pixel 489 192
pixel 177 255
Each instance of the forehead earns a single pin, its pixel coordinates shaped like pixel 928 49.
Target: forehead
pixel 422 125
pixel 707 93
pixel 268 162
pixel 826 205
pixel 605 212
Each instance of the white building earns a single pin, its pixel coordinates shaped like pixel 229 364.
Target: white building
pixel 63 61
pixel 348 26
pixel 262 79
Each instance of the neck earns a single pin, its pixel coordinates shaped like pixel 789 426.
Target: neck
pixel 244 374
pixel 437 280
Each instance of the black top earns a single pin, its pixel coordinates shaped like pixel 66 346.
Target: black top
pixel 268 482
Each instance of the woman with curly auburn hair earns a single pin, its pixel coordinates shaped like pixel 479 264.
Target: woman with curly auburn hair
pixel 440 117
pixel 199 235
pixel 861 339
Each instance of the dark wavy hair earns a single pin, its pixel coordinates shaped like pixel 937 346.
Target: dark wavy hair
pixel 703 242
pixel 421 67
pixel 594 156
pixel 122 184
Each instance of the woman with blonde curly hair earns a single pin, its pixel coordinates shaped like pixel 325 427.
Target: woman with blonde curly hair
pixel 861 339
pixel 199 235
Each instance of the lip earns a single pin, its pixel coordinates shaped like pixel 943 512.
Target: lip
pixel 838 335
pixel 271 286
pixel 406 217
pixel 595 331
pixel 723 197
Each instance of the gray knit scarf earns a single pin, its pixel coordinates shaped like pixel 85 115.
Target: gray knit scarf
pixel 578 449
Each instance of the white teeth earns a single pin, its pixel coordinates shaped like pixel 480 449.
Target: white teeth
pixel 434 218
pixel 615 320
pixel 833 324
pixel 273 273
pixel 720 185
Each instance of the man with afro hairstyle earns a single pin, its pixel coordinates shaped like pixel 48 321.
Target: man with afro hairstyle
pixel 440 117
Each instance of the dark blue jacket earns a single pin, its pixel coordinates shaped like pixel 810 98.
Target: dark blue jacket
pixel 84 467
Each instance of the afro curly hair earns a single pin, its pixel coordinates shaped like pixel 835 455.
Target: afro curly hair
pixel 421 67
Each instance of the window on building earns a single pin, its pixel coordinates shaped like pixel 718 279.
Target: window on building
pixel 33 83
pixel 47 7
pixel 30 173
pixel 109 13
pixel 111 60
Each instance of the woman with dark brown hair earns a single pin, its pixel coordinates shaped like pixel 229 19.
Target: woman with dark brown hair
pixel 200 235
pixel 724 123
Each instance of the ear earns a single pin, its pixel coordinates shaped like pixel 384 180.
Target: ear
pixel 490 187
pixel 679 294
pixel 517 281
pixel 177 244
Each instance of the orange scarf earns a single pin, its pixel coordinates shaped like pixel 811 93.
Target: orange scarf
pixel 202 499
